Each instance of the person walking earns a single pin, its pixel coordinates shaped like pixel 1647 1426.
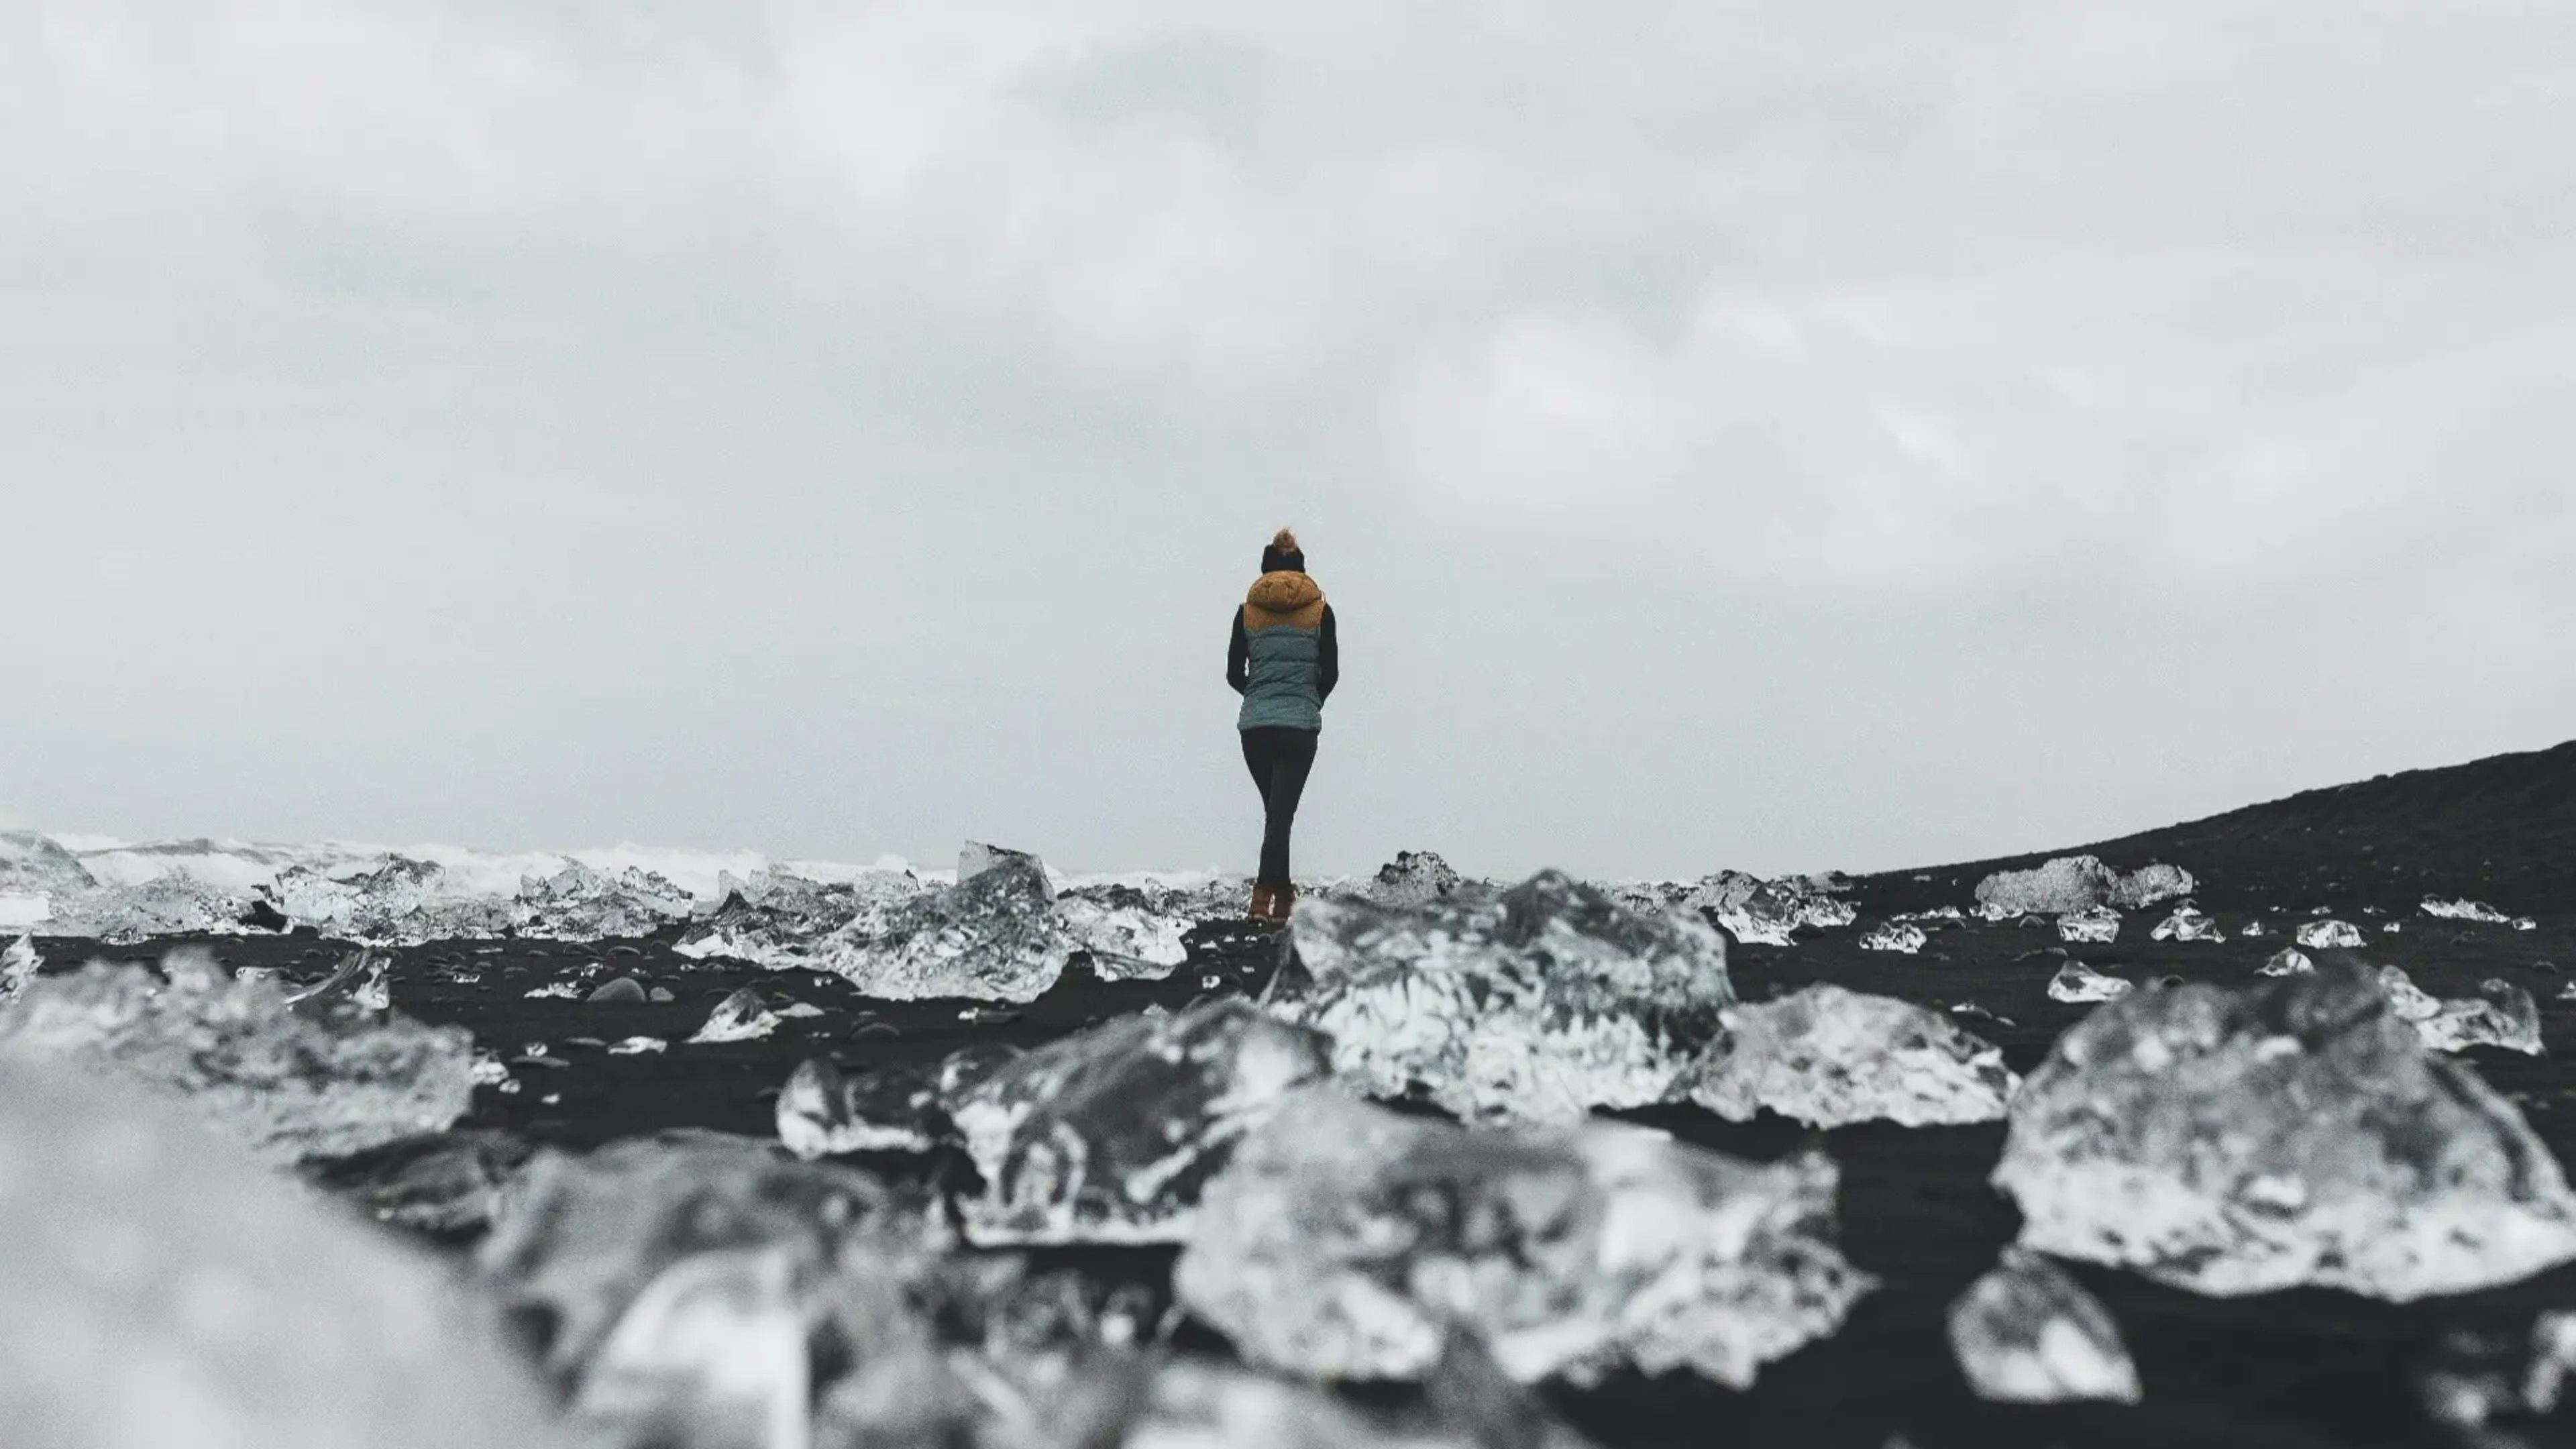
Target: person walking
pixel 1284 660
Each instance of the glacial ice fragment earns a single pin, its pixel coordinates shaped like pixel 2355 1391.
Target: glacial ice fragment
pixel 2477 1378
pixel 1830 1057
pixel 582 903
pixel 1537 1004
pixel 2288 961
pixel 2501 1014
pixel 434 1182
pixel 991 937
pixel 2293 1132
pixel 742 1016
pixel 1413 878
pixel 713 1354
pixel 2091 926
pixel 32 864
pixel 776 919
pixel 167 905
pixel 2464 910
pixel 2187 924
pixel 821 1113
pixel 636 1046
pixel 2330 935
pixel 400 902
pixel 2028 1333
pixel 2074 882
pixel 161 1290
pixel 18 966
pixel 1904 936
pixel 284 1083
pixel 1765 912
pixel 2076 981
pixel 1346 1241
pixel 1126 937
pixel 1108 1135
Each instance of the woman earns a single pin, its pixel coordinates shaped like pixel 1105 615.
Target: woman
pixel 1284 661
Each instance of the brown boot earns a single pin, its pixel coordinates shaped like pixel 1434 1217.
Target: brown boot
pixel 1281 900
pixel 1260 911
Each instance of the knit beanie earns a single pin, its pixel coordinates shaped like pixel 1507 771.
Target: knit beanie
pixel 1283 553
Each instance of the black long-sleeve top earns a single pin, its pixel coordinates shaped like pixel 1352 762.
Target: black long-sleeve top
pixel 1328 658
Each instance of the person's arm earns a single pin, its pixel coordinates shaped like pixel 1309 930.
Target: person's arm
pixel 1238 657
pixel 1328 659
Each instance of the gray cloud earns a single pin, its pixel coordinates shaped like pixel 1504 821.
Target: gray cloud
pixel 1764 434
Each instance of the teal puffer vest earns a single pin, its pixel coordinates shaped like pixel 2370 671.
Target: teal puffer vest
pixel 1283 635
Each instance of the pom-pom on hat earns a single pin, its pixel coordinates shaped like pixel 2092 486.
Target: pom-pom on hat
pixel 1283 554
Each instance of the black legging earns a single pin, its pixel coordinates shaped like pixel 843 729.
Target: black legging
pixel 1279 757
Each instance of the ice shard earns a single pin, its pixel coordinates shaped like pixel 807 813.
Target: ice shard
pixel 1110 1134
pixel 741 1016
pixel 162 1291
pixel 327 1079
pixel 1764 912
pixel 18 966
pixel 2077 982
pixel 821 1113
pixel 2288 961
pixel 1537 1004
pixel 2330 935
pixel 2187 924
pixel 2476 1378
pixel 713 1354
pixel 776 919
pixel 2028 1333
pixel 166 905
pixel 2500 1015
pixel 991 937
pixel 2091 926
pixel 399 902
pixel 582 903
pixel 32 864
pixel 2294 1132
pixel 581 1238
pixel 2464 910
pixel 1413 878
pixel 1349 1241
pixel 2074 882
pixel 1127 937
pixel 1830 1057
pixel 1902 936
pixel 435 1182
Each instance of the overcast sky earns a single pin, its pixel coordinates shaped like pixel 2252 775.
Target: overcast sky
pixel 1776 435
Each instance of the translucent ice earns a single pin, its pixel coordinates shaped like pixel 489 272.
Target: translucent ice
pixel 2028 1333
pixel 35 865
pixel 329 1078
pixel 1904 936
pixel 582 903
pixel 2092 926
pixel 162 1291
pixel 991 937
pixel 1767 912
pixel 2501 1014
pixel 2477 1377
pixel 2330 934
pixel 775 919
pixel 18 966
pixel 1109 1135
pixel 821 1113
pixel 2294 1132
pixel 167 905
pixel 1537 1004
pixel 742 1016
pixel 713 1354
pixel 1830 1057
pixel 2464 910
pixel 2076 981
pixel 2074 882
pixel 1413 878
pixel 1346 1241
pixel 399 902
pixel 2288 961
pixel 1127 937
pixel 2187 924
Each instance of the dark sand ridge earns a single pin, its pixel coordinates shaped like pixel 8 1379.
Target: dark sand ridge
pixel 2291 1369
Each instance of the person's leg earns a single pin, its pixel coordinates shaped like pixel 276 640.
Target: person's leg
pixel 1256 758
pixel 1293 760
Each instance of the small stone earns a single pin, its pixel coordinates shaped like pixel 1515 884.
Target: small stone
pixel 624 989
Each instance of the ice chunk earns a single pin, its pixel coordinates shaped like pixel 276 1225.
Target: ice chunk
pixel 580 1239
pixel 1895 936
pixel 400 901
pixel 636 1046
pixel 556 990
pixel 282 1082
pixel 2294 1132
pixel 2028 1333
pixel 170 905
pixel 2187 924
pixel 1413 878
pixel 2464 910
pixel 2330 935
pixel 435 1182
pixel 822 1114
pixel 1537 1004
pixel 376 991
pixel 776 919
pixel 1347 1241
pixel 713 1353
pixel 1830 1057
pixel 1109 1135
pixel 1767 912
pixel 2256 927
pixel 1127 938
pixel 2076 981
pixel 18 966
pixel 742 1016
pixel 2288 961
pixel 991 937
pixel 2091 926
pixel 2525 923
pixel 2476 1378
pixel 160 1290
pixel 2074 882
pixel 32 864
pixel 582 903
pixel 2501 1014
